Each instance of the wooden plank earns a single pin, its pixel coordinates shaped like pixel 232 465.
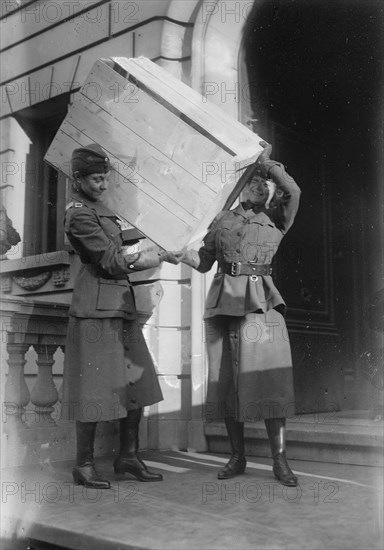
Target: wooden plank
pixel 59 152
pixel 213 119
pixel 128 196
pixel 222 202
pixel 175 91
pixel 164 130
pixel 139 161
pixel 176 160
pixel 69 138
pixel 96 126
pixel 142 208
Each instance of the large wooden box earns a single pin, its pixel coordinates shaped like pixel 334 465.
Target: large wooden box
pixel 177 160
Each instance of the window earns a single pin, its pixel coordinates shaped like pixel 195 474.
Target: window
pixel 45 188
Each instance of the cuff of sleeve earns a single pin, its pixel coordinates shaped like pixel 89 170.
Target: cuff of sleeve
pixel 130 259
pixel 267 165
pixel 192 259
pixel 162 255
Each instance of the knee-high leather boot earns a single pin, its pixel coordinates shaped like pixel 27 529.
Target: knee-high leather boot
pixel 128 460
pixel 276 434
pixel 84 473
pixel 237 463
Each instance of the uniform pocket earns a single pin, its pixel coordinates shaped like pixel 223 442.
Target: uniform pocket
pixel 115 296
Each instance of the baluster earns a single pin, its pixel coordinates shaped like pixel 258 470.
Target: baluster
pixel 62 347
pixel 16 392
pixel 44 393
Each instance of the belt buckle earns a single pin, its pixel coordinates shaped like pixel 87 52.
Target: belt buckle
pixel 253 277
pixel 235 268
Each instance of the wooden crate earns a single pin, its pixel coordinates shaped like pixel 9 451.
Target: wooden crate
pixel 177 160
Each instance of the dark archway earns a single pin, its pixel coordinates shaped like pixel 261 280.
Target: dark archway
pixel 315 72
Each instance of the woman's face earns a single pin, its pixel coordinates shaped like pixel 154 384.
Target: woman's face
pixel 94 185
pixel 256 191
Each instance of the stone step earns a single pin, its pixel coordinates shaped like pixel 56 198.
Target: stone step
pixel 342 438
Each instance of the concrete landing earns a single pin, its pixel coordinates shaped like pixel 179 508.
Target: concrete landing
pixel 335 507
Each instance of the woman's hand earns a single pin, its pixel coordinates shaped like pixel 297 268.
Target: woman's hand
pixel 188 257
pixel 170 257
pixel 266 153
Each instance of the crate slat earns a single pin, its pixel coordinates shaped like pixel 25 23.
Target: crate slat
pixel 213 119
pixel 162 128
pixel 167 186
pixel 177 160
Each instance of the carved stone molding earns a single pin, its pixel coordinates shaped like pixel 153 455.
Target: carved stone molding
pixel 33 282
pixel 31 273
pixel 6 284
pixel 60 276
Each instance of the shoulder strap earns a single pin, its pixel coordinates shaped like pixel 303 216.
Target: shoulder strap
pixel 74 204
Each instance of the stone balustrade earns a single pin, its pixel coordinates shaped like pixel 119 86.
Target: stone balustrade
pixel 36 294
pixel 42 325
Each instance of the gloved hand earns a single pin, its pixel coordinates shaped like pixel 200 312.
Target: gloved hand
pixel 170 257
pixel 188 257
pixel 149 258
pixel 266 153
pixel 263 161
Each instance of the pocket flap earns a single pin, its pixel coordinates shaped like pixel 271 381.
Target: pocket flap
pixel 115 296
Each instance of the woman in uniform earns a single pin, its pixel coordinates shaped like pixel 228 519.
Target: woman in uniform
pixel 108 370
pixel 250 367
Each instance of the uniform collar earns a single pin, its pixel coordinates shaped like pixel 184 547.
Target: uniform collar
pixel 261 214
pixel 98 206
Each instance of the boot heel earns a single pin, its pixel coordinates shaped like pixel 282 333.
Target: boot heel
pixel 242 469
pixel 77 480
pixel 118 470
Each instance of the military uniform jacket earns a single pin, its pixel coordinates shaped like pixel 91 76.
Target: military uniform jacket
pixel 245 236
pixel 102 288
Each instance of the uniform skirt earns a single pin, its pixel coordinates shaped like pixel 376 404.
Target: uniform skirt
pixel 108 370
pixel 250 367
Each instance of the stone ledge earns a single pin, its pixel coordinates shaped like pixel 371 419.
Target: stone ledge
pixel 37 262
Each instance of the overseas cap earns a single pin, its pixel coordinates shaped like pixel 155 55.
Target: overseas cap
pixel 91 159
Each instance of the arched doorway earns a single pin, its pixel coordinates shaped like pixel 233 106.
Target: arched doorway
pixel 310 73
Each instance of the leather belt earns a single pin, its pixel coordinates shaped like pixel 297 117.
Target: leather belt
pixel 238 268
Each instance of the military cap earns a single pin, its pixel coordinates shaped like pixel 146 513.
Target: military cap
pixel 91 159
